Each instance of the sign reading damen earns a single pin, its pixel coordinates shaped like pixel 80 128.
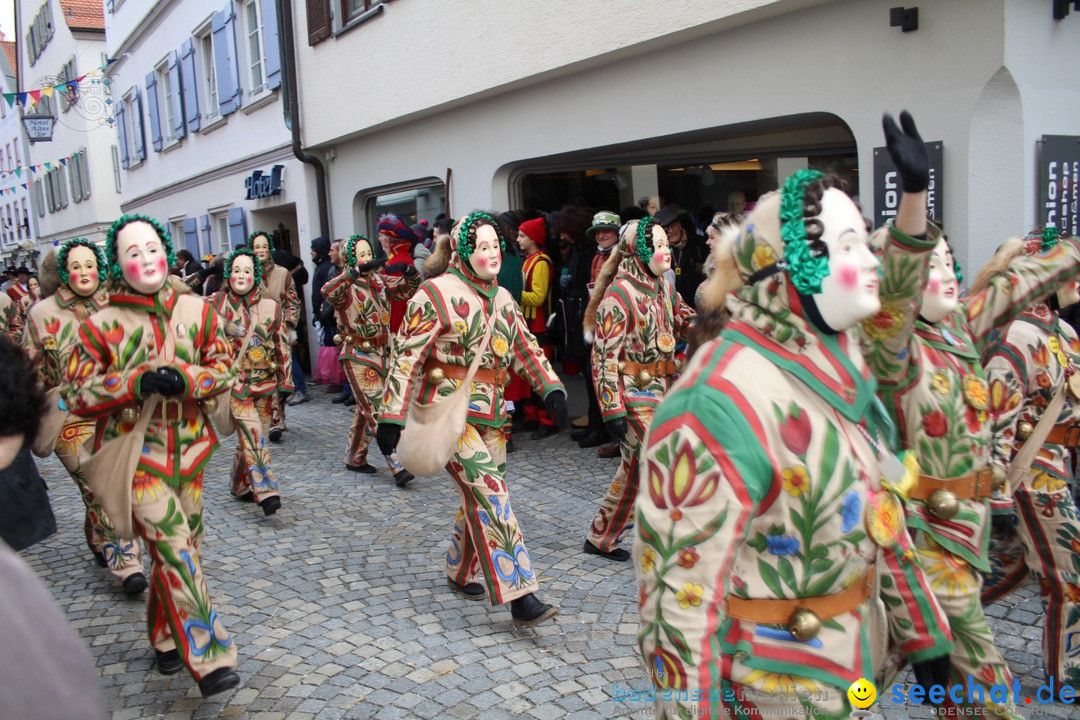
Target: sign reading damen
pixel 262 186
pixel 887 188
pixel 1059 177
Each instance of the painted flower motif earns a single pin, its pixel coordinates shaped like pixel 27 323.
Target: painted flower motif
pixel 416 324
pixel 796 481
pixel 73 436
pixel 795 431
pixel 648 560
pixel 642 595
pixel 948 571
pixel 763 257
pixel 384 318
pixel 616 486
pixel 492 484
pixel 49 343
pixel 461 327
pixel 1043 380
pixel 884 518
pixel 690 594
pixel 1041 356
pixel 1044 482
pixel 1074 544
pixel 113 335
pixel 940 382
pixel 1000 398
pixel 850 511
pixel 973 420
pixel 52 326
pixel 369 378
pixel 935 424
pixel 461 307
pixel 144 483
pixel 976 392
pixel 483 517
pixel 771 683
pixel 884 324
pixel 688 557
pixel 781 544
pixel 667 670
pixel 1072 593
pixel 112 382
pixel 680 486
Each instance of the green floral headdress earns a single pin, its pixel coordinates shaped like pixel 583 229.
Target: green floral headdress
pixel 350 249
pixel 269 239
pixel 805 269
pixel 1049 238
pixel 464 250
pixel 62 256
pixel 110 242
pixel 643 239
pixel 249 253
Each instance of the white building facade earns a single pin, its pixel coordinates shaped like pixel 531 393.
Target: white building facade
pixel 17 221
pixel 75 191
pixel 536 104
pixel 203 144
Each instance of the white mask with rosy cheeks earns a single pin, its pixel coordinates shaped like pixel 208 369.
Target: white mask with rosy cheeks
pixel 660 262
pixel 143 260
pixel 261 247
pixel 942 292
pixel 849 293
pixel 363 252
pixel 487 255
pixel 83 273
pixel 242 275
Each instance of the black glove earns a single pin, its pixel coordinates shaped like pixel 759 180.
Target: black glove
pixel 932 672
pixel 165 381
pixel 404 268
pixel 1003 524
pixel 555 405
pixel 369 266
pixel 616 428
pixel 908 152
pixel 387 436
pixel 212 271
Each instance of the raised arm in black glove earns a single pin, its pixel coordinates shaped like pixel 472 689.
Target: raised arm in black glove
pixel 616 428
pixel 405 269
pixel 932 672
pixel 555 405
pixel 165 381
pixel 908 152
pixel 366 267
pixel 387 436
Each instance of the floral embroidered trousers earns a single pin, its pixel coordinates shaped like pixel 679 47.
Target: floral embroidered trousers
pixel 367 386
pixel 486 545
pixel 1046 544
pixel 121 554
pixel 251 467
pixel 616 516
pixel 277 413
pixel 180 614
pixel 957 586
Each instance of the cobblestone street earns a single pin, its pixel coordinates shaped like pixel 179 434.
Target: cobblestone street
pixel 340 609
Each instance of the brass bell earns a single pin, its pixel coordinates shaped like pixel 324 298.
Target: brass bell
pixel 644 377
pixel 436 375
pixel 338 339
pixel 209 404
pixel 622 366
pixel 129 414
pixel 943 504
pixel 679 365
pixel 273 367
pixel 804 624
pixel 366 346
pixel 998 474
pixel 1024 430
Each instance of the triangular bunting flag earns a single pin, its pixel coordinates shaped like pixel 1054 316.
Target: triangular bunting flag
pixel 18 171
pixel 24 186
pixel 10 98
pixel 48 167
pixel 63 161
pixel 22 99
pixel 36 95
pixel 47 92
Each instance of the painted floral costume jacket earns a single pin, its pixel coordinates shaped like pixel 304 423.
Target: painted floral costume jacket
pixel 362 307
pixel 10 319
pixel 760 480
pixel 52 331
pixel 265 366
pixel 639 321
pixel 931 375
pixel 445 320
pixel 122 341
pixel 279 286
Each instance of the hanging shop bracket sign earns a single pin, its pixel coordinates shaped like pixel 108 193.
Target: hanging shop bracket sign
pixel 887 190
pixel 1059 178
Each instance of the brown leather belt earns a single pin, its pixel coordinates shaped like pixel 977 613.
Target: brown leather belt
pixel 973 486
pixel 169 410
pixel 663 368
pixel 377 341
pixel 783 611
pixel 491 376
pixel 1064 435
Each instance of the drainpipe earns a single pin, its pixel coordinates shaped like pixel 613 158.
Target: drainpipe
pixel 287 45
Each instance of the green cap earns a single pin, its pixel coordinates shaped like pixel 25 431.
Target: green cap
pixel 604 220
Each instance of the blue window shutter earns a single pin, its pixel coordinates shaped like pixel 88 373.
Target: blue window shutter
pixel 191 237
pixel 270 43
pixel 152 106
pixel 228 73
pixel 187 80
pixel 237 227
pixel 137 126
pixel 172 67
pixel 207 245
pixel 121 130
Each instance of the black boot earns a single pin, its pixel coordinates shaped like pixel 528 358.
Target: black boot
pixel 402 477
pixel 579 435
pixel 616 554
pixel 594 438
pixel 100 558
pixel 246 497
pixel 169 662
pixel 366 468
pixel 135 584
pixel 471 591
pixel 528 611
pixel 218 681
pixel 270 505
pixel 340 398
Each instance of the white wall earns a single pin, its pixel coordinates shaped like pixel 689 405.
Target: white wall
pixel 11 138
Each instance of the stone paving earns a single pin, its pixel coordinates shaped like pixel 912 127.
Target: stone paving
pixel 339 605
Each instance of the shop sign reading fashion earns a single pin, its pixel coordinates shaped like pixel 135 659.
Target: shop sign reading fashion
pixel 1059 176
pixel 263 186
pixel 887 185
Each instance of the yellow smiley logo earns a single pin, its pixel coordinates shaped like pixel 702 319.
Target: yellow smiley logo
pixel 862 693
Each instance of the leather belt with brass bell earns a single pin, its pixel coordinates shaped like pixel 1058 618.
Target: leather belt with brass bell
pixel 803 616
pixel 663 368
pixel 973 486
pixel 366 344
pixel 1065 435
pixel 246 364
pixel 436 371
pixel 169 410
